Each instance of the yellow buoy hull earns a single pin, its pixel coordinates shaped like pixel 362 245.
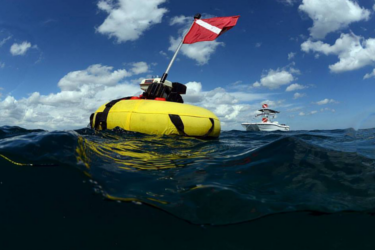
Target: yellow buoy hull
pixel 157 118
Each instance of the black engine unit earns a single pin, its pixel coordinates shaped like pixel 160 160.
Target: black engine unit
pixel 160 90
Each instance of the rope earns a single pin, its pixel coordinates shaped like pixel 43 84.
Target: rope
pixel 27 164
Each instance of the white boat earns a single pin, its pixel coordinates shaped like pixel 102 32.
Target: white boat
pixel 267 124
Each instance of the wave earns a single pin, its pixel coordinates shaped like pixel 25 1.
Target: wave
pixel 240 177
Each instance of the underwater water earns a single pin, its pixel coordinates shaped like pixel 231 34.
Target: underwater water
pixel 246 190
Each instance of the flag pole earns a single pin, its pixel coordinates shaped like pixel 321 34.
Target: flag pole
pixel 164 77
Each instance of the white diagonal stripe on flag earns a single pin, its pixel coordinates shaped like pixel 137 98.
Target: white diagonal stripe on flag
pixel 208 26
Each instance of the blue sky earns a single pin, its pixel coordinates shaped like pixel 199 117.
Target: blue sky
pixel 313 60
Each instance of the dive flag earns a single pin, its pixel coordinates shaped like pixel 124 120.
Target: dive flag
pixel 209 29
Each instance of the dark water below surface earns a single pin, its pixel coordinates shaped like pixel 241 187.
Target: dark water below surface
pixel 247 190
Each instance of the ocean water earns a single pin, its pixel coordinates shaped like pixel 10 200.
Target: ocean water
pixel 247 190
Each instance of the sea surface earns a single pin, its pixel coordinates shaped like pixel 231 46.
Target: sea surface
pixel 246 190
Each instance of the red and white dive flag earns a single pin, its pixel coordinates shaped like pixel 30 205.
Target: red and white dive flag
pixel 209 29
pixel 265 106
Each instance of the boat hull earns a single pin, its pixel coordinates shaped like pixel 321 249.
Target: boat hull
pixel 265 127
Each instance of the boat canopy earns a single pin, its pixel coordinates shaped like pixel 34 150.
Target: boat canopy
pixel 270 111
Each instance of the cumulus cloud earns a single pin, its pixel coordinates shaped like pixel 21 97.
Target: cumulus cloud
pixel 326 101
pixel 84 91
pixel 195 94
pixel 232 108
pixel 369 75
pixel 81 93
pixel 274 79
pixel 332 15
pixel 257 84
pixel 298 95
pixel 127 20
pixel 20 49
pixel 201 52
pixel 139 68
pixel 95 75
pixel 294 87
pixel 353 51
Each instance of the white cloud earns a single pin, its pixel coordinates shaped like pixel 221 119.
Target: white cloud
pixel 2 65
pixel 369 75
pixel 294 87
pixel 291 55
pixel 294 71
pixel 332 15
pixel 139 68
pixel 201 52
pixel 179 20
pixel 232 108
pixel 274 79
pixel 257 85
pixel 82 92
pixel 220 96
pixel 193 92
pixel 299 37
pixel 128 19
pixel 94 76
pixel 163 54
pixel 287 2
pixel 257 45
pixel 325 101
pixel 310 113
pixel 2 42
pixel 298 95
pixel 327 109
pixel 20 49
pixel 353 51
pixel 236 83
pixel 272 104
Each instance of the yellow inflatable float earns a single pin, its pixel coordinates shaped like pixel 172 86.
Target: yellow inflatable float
pixel 158 111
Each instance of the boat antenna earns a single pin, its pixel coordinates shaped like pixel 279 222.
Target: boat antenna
pixel 164 77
